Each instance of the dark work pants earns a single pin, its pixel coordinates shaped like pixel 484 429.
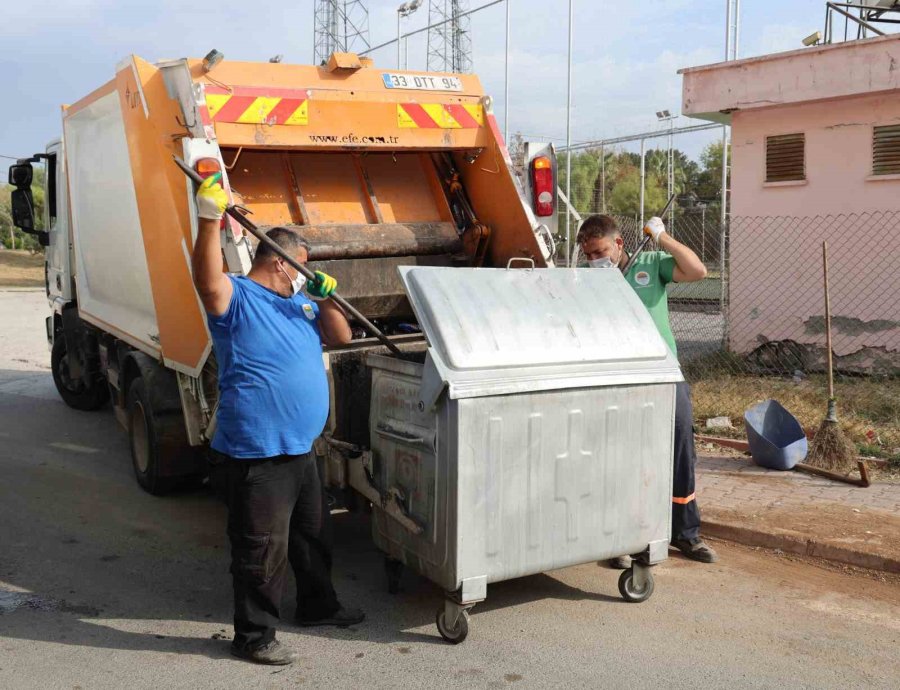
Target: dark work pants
pixel 685 513
pixel 276 515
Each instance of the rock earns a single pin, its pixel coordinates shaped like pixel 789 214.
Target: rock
pixel 719 423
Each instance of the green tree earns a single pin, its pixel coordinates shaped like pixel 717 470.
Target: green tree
pixel 709 181
pixel 626 196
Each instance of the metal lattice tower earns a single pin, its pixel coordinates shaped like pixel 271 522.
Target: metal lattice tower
pixel 449 43
pixel 340 26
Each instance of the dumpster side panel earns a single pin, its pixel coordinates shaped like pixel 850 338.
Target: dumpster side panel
pixel 552 479
pixel 411 466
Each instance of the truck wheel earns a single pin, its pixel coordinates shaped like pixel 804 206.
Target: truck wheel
pixel 143 435
pixel 74 392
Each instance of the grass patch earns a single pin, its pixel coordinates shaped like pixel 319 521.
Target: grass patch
pixel 21 269
pixel 868 408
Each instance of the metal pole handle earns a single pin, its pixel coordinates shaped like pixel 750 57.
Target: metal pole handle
pixel 828 322
pixel 646 239
pixel 247 224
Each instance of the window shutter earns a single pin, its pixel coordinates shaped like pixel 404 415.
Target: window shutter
pixel 886 150
pixel 785 158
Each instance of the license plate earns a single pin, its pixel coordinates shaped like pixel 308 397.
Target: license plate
pixel 419 82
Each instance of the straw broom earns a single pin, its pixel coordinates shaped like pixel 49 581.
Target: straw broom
pixel 831 450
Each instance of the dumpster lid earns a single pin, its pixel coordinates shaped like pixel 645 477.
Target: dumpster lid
pixel 491 330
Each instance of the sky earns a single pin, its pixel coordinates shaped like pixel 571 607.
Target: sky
pixel 625 56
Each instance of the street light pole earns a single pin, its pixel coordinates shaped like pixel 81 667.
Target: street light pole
pixel 671 173
pixel 406 9
pixel 399 15
pixel 642 183
pixel 569 133
pixel 666 116
pixel 602 179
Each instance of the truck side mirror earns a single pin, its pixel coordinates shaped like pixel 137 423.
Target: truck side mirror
pixel 20 175
pixel 23 209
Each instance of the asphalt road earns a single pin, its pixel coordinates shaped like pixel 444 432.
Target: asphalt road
pixel 104 586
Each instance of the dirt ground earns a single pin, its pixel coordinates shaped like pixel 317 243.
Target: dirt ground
pixel 872 530
pixel 868 408
pixel 21 269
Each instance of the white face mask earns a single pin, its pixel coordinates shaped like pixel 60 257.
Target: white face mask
pixel 296 283
pixel 605 262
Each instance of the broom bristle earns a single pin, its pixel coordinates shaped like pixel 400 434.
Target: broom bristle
pixel 831 450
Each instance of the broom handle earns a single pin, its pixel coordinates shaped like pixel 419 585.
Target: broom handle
pixel 828 321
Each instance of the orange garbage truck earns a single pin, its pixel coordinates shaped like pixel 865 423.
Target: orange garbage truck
pixel 377 169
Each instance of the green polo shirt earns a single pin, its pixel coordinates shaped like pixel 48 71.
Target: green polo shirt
pixel 651 272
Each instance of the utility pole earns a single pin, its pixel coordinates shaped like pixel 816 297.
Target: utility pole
pixel 735 7
pixel 506 82
pixel 339 26
pixel 449 37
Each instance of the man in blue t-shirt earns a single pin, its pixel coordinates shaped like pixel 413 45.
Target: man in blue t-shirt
pixel 273 403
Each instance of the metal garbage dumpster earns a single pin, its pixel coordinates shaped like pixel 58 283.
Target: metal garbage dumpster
pixel 536 433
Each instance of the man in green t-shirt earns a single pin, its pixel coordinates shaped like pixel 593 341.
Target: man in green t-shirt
pixel 602 245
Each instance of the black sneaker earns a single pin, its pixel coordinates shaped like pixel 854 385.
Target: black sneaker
pixel 620 562
pixel 340 618
pixel 696 550
pixel 272 654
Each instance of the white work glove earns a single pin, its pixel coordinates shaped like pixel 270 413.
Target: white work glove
pixel 211 198
pixel 654 228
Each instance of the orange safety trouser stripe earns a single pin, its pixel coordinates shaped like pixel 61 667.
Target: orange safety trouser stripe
pixel 683 501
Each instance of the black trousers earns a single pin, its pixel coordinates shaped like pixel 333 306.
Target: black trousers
pixel 276 514
pixel 685 513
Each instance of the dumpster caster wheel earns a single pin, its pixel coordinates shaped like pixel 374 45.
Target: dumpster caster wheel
pixel 631 590
pixel 394 570
pixel 459 631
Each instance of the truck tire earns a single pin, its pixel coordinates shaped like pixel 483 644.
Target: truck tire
pixel 74 392
pixel 142 434
pixel 160 454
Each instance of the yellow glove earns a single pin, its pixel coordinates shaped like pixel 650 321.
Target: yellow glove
pixel 211 198
pixel 322 287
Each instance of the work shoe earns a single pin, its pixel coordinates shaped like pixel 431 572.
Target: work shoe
pixel 695 549
pixel 620 563
pixel 340 618
pixel 272 654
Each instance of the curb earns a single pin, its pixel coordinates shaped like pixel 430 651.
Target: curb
pixel 796 543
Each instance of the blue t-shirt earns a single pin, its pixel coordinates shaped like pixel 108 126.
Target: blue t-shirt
pixel 273 392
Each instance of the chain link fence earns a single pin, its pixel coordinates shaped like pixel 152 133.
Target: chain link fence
pixel 754 328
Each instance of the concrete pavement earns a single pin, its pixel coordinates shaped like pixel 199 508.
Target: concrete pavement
pixel 104 586
pixel 800 513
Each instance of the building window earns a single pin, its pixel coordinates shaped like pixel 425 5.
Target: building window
pixel 785 158
pixel 886 150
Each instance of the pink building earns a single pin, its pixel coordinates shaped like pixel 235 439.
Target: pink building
pixel 815 156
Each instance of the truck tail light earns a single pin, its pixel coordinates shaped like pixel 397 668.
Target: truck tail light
pixel 543 186
pixel 207 166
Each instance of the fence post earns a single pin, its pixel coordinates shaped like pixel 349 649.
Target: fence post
pixel 723 281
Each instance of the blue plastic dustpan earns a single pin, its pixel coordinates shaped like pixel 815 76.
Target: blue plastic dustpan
pixel 776 438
